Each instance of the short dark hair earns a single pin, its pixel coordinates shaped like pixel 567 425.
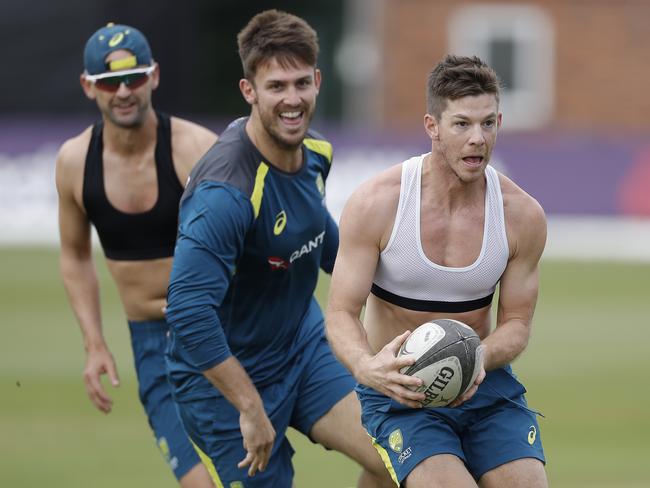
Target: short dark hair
pixel 459 76
pixel 276 34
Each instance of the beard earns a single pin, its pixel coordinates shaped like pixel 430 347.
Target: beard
pixel 283 142
pixel 133 120
pixel 453 163
pixel 272 126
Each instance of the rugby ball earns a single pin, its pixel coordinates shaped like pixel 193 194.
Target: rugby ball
pixel 448 358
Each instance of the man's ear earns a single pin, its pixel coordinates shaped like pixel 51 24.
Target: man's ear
pixel 248 91
pixel 317 79
pixel 431 127
pixel 87 87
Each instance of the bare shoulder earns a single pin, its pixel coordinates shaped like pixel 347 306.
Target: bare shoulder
pixel 73 151
pixel 71 160
pixel 373 205
pixel 519 206
pixel 190 141
pixel 378 193
pixel 191 138
pixel 525 217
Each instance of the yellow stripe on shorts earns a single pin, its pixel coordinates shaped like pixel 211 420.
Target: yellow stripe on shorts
pixel 383 454
pixel 207 462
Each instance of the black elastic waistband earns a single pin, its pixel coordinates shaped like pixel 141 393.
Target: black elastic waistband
pixel 430 305
pixel 139 254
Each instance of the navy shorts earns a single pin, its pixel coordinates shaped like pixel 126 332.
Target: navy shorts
pixel 314 383
pixel 149 340
pixel 494 427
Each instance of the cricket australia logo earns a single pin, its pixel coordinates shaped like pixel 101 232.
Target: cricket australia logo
pixel 395 440
pixel 164 449
pixel 396 443
pixel 320 184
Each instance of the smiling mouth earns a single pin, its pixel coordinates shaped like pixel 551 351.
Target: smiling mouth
pixel 292 118
pixel 124 106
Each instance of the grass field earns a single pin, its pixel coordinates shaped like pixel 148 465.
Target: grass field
pixel 586 369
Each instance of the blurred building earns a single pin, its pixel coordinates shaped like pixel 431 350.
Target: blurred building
pixel 580 64
pixel 575 130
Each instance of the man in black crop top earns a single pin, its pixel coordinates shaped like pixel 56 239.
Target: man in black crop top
pixel 125 176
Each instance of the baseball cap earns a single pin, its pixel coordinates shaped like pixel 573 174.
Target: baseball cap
pixel 112 38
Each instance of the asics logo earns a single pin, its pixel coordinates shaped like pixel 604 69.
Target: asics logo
pixel 532 435
pixel 116 39
pixel 280 223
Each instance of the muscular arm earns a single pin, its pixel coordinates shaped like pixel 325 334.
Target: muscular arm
pixel 213 225
pixel 519 285
pixel 78 272
pixel 361 229
pixel 330 245
pixel 257 431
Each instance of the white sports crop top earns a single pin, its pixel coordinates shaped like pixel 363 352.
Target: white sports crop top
pixel 407 278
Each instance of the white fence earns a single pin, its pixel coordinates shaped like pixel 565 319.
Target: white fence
pixel 28 208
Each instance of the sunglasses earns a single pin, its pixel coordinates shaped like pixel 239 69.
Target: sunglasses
pixel 132 78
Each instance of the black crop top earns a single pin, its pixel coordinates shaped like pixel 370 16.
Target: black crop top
pixel 134 236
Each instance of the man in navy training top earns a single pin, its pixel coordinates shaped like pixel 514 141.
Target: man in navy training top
pixel 125 176
pixel 248 356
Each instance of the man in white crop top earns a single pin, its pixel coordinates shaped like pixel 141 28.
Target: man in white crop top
pixel 431 238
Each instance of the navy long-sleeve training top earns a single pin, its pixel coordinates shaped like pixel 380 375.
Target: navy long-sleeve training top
pixel 250 244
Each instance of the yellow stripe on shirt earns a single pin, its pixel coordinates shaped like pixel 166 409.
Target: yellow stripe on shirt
pixel 321 147
pixel 258 189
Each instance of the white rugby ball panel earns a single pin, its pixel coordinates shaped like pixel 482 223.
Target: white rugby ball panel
pixel 441 381
pixel 446 359
pixel 422 339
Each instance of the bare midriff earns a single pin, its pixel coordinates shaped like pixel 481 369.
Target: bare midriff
pixel 384 321
pixel 142 286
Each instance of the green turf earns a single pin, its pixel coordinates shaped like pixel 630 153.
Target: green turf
pixel 585 369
